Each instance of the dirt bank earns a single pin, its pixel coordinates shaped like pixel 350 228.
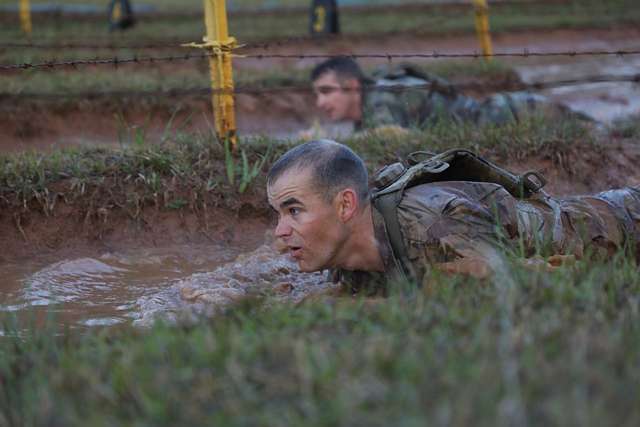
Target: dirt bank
pixel 78 227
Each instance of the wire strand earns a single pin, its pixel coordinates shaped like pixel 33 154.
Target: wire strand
pixel 258 90
pixel 116 61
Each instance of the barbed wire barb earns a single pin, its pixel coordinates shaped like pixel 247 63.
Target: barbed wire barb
pixel 259 90
pixel 50 64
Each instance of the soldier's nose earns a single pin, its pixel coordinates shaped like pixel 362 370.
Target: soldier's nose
pixel 282 229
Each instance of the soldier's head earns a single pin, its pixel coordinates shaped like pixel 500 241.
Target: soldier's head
pixel 337 84
pixel 320 191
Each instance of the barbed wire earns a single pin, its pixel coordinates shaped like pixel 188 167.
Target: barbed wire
pixel 84 45
pixel 259 90
pixel 260 56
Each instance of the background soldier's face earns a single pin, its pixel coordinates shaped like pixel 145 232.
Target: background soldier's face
pixel 340 100
pixel 308 225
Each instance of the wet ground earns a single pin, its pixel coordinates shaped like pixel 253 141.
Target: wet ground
pixel 141 285
pixel 606 101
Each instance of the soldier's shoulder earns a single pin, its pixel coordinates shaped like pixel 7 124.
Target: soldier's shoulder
pixel 435 195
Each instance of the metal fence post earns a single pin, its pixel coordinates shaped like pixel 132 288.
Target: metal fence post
pixel 220 45
pixel 25 17
pixel 482 27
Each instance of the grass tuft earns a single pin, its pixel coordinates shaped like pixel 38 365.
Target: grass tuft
pixel 551 347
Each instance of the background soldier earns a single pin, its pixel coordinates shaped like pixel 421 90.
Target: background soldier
pixel 328 219
pixel 406 97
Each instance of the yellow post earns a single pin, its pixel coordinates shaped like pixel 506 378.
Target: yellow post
pixel 25 16
pixel 482 27
pixel 221 45
pixel 116 13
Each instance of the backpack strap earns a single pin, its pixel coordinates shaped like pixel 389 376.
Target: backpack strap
pixel 386 205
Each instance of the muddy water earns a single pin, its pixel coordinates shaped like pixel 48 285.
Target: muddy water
pixel 606 101
pixel 143 285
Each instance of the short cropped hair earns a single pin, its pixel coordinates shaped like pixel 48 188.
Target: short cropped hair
pixel 344 67
pixel 333 167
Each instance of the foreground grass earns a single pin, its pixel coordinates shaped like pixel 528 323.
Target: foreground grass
pixel 559 348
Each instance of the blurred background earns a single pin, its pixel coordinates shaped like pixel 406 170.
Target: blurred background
pixel 113 100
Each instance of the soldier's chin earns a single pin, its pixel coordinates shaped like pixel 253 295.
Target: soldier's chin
pixel 306 268
pixel 335 117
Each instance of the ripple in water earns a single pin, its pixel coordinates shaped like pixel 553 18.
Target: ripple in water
pixel 263 271
pixel 146 285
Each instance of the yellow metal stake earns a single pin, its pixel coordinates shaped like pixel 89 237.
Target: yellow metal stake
pixel 25 16
pixel 218 42
pixel 482 27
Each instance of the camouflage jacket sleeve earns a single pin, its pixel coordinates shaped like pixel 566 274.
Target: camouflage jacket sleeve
pixel 465 227
pixel 457 227
pixel 382 109
pixel 415 107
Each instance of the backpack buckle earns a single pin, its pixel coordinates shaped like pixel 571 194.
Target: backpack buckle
pixel 414 158
pixel 388 174
pixel 533 181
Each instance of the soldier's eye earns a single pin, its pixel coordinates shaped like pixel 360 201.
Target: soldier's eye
pixel 294 211
pixel 325 90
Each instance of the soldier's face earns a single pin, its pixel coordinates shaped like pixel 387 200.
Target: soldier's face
pixel 308 226
pixel 340 100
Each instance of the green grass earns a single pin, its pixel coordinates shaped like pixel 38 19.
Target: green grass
pixel 195 167
pixel 575 14
pixel 138 175
pixel 557 348
pixel 628 127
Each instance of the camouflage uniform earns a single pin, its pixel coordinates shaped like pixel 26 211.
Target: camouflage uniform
pixel 467 225
pixel 408 99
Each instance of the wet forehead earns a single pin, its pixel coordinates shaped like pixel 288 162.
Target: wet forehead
pixel 292 184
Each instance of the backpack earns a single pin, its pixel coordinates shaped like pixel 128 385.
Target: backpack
pixel 423 167
pixel 408 75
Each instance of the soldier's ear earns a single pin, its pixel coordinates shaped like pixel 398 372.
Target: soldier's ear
pixel 346 204
pixel 351 84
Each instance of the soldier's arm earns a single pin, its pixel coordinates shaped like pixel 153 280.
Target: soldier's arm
pixel 474 257
pixel 464 239
pixel 381 109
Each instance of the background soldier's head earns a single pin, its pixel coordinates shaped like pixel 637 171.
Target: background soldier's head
pixel 337 84
pixel 320 191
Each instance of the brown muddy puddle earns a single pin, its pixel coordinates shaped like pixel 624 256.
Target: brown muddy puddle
pixel 603 101
pixel 142 285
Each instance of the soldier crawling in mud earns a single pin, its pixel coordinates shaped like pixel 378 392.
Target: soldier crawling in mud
pixel 405 97
pixel 454 212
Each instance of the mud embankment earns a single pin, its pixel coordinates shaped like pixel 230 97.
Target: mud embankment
pixel 80 227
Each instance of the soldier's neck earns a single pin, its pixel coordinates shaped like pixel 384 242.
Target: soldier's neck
pixel 362 250
pixel 355 112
